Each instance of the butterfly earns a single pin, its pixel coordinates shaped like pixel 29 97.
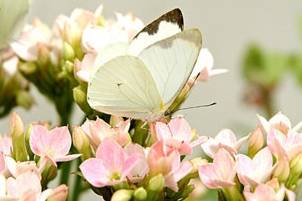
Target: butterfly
pixel 12 13
pixel 143 80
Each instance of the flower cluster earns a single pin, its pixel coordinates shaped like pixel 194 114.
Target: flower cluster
pixel 270 171
pixel 56 59
pixel 32 155
pixel 120 159
pixel 112 159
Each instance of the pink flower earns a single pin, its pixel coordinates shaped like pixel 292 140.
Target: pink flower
pixel 204 66
pixel 278 121
pixel 221 173
pixel 52 144
pixel 257 170
pixel 98 130
pixel 59 193
pixel 6 145
pixel 27 187
pixel 286 145
pixel 168 163
pixel 2 163
pixel 10 65
pixel 226 139
pixel 83 69
pixel 141 169
pixel 71 28
pixel 17 168
pixel 178 135
pixel 111 166
pixel 265 192
pixel 32 39
pixel 121 30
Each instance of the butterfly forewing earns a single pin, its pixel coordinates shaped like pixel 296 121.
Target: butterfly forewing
pixel 161 28
pixel 171 62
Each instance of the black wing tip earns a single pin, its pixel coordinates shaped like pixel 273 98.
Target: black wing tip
pixel 174 16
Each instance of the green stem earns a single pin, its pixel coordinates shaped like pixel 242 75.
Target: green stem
pixel 232 194
pixel 77 185
pixel 65 170
pixel 268 105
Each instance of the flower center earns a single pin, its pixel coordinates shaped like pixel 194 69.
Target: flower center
pixel 115 176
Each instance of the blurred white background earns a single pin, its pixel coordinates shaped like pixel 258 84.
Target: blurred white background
pixel 228 26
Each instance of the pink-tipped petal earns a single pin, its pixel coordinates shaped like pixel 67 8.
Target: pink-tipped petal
pixel 59 140
pixel 162 131
pixel 94 172
pixel 112 154
pixel 38 139
pixel 180 129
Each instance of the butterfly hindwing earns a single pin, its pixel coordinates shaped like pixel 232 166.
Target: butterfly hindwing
pixel 124 87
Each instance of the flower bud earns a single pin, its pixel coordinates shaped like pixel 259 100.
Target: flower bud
pixel 155 186
pixel 295 170
pixel 197 162
pixel 122 195
pixel 156 183
pixel 282 170
pixel 27 68
pixel 18 138
pixel 81 143
pixel 24 99
pixel 79 95
pixel 296 164
pixel 49 171
pixel 68 52
pixel 72 34
pixel 140 194
pixel 255 142
pixel 59 194
pixel 114 120
pixel 43 55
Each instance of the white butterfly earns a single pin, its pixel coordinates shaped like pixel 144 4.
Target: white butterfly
pixel 12 13
pixel 144 79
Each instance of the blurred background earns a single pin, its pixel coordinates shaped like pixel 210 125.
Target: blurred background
pixel 234 31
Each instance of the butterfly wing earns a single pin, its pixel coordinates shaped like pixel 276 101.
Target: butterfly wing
pixel 171 62
pixel 161 28
pixel 124 87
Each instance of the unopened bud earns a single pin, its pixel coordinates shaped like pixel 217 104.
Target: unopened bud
pixel 81 143
pixel 80 97
pixel 43 55
pixel 197 162
pixel 156 183
pixel 27 67
pixel 48 169
pixel 140 194
pixel 24 99
pixel 296 165
pixel 68 52
pixel 255 142
pixel 114 120
pixel 122 195
pixel 18 138
pixel 282 170
pixel 59 194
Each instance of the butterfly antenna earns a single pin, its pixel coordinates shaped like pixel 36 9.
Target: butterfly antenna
pixel 197 106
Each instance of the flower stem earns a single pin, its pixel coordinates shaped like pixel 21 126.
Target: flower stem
pixel 232 194
pixel 77 185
